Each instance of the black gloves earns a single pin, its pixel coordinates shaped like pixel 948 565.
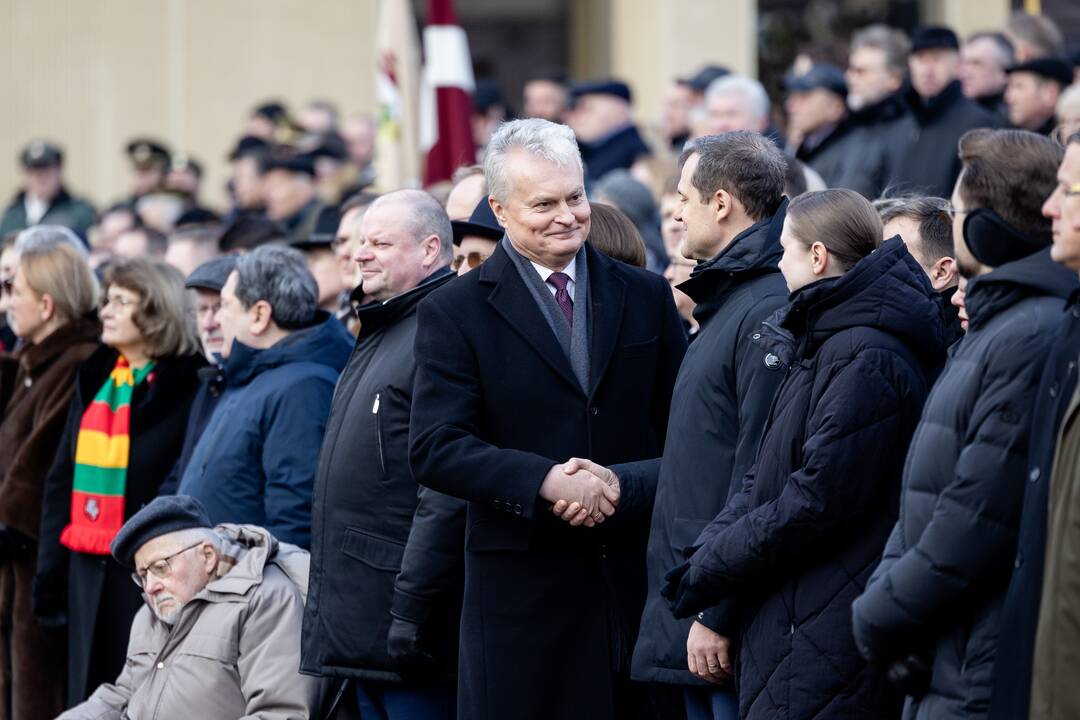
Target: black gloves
pixel 685 588
pixel 404 645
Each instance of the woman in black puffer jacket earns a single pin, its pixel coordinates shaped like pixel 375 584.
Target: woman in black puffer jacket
pixel 798 543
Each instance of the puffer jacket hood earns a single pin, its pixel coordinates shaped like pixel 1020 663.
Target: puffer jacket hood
pixel 248 550
pixel 887 291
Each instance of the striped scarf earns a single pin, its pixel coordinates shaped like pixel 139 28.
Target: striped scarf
pixel 101 460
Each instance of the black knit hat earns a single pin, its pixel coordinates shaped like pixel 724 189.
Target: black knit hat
pixel 161 516
pixel 1049 68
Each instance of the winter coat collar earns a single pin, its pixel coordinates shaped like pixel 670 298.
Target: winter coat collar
pixel 1003 287
pixel 755 251
pixel 929 110
pixel 886 291
pixel 62 196
pixel 34 357
pixel 382 313
pixel 888 108
pixel 315 343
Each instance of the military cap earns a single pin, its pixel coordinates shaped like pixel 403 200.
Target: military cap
pixel 934 37
pixel 212 274
pixel 602 87
pixel 1048 68
pixel 822 75
pixel 145 152
pixel 41 154
pixel 481 223
pixel 161 516
pixel 325 230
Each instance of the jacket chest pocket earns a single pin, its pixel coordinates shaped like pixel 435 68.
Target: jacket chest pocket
pixel 200 648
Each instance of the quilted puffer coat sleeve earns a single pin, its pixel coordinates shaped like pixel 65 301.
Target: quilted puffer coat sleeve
pixel 860 404
pixel 972 532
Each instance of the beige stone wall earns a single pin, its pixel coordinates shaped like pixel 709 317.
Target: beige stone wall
pixel 653 42
pixel 90 74
pixel 967 16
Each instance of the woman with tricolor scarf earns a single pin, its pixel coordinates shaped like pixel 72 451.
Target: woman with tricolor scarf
pixel 125 428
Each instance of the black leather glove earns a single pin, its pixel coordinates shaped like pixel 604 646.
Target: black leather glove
pixel 911 675
pixel 685 591
pixel 404 645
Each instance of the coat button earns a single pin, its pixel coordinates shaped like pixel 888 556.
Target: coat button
pixel 1033 476
pixel 517 509
pixel 594 410
pixel 161 666
pixel 28 382
pixel 756 336
pixel 771 361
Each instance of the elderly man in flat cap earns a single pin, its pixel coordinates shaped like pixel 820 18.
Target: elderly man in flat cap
pixel 220 633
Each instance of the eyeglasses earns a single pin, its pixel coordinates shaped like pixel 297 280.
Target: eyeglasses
pixel 1070 190
pixel 159 568
pixel 473 260
pixel 116 301
pixel 954 211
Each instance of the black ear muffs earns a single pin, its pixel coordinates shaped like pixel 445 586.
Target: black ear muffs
pixel 994 242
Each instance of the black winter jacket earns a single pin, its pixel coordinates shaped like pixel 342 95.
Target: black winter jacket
pixel 722 396
pixel 797 544
pixel 927 138
pixel 1020 613
pixel 874 147
pixel 364 501
pixel 939 587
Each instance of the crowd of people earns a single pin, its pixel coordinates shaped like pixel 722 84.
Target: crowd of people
pixel 708 420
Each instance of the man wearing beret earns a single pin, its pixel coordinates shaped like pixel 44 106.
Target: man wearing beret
pixel 1033 90
pixel 939 115
pixel 220 634
pixel 601 120
pixel 43 199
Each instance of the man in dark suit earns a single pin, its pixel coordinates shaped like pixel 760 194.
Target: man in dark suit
pixel 548 352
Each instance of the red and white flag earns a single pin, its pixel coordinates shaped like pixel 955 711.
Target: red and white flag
pixel 397 91
pixel 446 99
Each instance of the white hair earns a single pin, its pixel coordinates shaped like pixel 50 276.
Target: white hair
pixel 750 89
pixel 1069 98
pixel 190 536
pixel 543 138
pixel 46 237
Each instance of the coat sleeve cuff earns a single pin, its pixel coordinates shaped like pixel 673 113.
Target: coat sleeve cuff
pixel 409 607
pixel 722 618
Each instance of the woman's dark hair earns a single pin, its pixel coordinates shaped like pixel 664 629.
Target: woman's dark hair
pixel 842 220
pixel 612 233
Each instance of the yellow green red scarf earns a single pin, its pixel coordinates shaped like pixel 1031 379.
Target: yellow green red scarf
pixel 101 460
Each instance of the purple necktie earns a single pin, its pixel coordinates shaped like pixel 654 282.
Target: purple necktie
pixel 559 281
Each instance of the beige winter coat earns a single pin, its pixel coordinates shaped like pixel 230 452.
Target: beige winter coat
pixel 234 651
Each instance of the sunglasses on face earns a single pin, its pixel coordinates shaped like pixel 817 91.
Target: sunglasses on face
pixel 472 260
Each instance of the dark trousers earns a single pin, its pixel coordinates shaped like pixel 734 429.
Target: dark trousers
pixel 393 701
pixel 704 703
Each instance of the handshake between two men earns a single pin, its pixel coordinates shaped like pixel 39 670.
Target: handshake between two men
pixel 581 492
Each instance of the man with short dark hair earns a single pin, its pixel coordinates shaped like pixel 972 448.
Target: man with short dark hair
pixel 732 208
pixel 984 60
pixel 398 644
pixel 924 224
pixel 255 461
pixel 938 115
pixel 43 199
pixel 249 232
pixel 931 614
